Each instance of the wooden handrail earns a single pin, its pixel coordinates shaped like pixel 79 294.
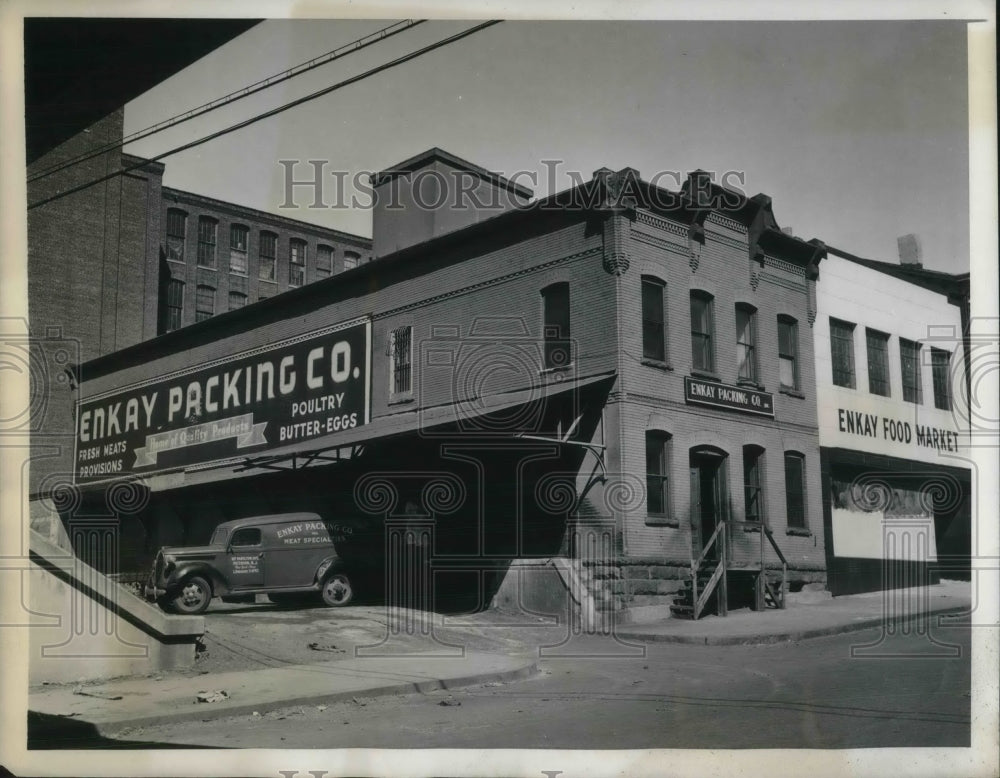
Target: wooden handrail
pixel 774 545
pixel 701 557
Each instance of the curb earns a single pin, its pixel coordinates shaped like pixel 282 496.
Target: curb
pixel 783 637
pixel 109 728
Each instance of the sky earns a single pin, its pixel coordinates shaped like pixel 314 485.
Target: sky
pixel 857 130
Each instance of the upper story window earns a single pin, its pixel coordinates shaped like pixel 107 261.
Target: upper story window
pixel 746 342
pixel 176 234
pixel 753 464
pixel 555 305
pixel 842 352
pixel 909 359
pixel 324 260
pixel 267 261
pixel 296 262
pixel 877 345
pixel 795 489
pixel 207 231
pixel 237 300
pixel 654 341
pixel 351 260
pixel 940 373
pixel 239 239
pixel 204 303
pixel 401 351
pixel 702 329
pixel 657 474
pixel 788 352
pixel 175 305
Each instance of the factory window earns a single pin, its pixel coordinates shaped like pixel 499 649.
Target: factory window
pixel 296 262
pixel 237 300
pixel 877 344
pixel 207 230
pixel 400 349
pixel 842 352
pixel 795 489
pixel 657 474
pixel 654 342
pixel 267 264
pixel 351 260
pixel 324 260
pixel 940 363
pixel 175 305
pixel 176 234
pixel 746 342
pixel 555 313
pixel 239 237
pixel 204 303
pixel 909 360
pixel 788 352
pixel 753 495
pixel 702 354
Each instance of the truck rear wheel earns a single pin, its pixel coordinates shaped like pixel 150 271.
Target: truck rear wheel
pixel 337 590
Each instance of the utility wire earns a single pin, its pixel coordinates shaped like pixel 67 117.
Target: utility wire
pixel 275 111
pixel 342 51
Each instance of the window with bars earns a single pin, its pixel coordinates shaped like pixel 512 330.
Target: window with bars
pixel 176 234
pixel 207 231
pixel 400 349
pixel 204 302
pixel 175 305
pixel 267 261
pixel 237 300
pixel 842 352
pixel 877 344
pixel 556 332
pixel 296 262
pixel 654 342
pixel 909 360
pixel 788 352
pixel 795 489
pixel 753 462
pixel 702 327
pixel 239 239
pixel 940 373
pixel 657 474
pixel 324 260
pixel 746 342
pixel 351 260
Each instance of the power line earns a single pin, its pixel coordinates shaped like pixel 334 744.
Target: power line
pixel 341 51
pixel 274 111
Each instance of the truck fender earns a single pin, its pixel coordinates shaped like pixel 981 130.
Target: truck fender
pixel 325 566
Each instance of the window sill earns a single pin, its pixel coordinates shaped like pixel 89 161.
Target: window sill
pixel 208 267
pixel 706 374
pixel 750 384
pixel 176 261
pixel 801 532
pixel 659 365
pixel 752 526
pixel 402 399
pixel 792 392
pixel 267 281
pixel 662 521
pixel 237 273
pixel 553 370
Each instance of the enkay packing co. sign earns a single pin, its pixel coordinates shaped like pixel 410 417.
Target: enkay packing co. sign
pixel 295 390
pixel 733 398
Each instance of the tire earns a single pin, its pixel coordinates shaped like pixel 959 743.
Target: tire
pixel 337 590
pixel 193 597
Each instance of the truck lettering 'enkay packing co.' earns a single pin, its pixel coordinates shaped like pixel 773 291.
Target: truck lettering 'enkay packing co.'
pixel 292 391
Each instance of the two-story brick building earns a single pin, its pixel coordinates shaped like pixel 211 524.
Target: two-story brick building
pixel 618 375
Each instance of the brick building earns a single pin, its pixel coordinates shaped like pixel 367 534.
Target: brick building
pixel 619 377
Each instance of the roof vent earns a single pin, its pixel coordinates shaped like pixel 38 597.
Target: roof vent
pixel 909 250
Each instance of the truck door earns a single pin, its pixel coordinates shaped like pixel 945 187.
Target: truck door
pixel 245 559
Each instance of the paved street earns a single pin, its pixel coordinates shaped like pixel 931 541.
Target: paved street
pixel 812 694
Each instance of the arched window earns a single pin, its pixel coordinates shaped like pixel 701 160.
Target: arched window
pixel 556 319
pixel 324 260
pixel 176 234
pixel 654 337
pixel 174 309
pixel 658 474
pixel 746 342
pixel 207 238
pixel 267 261
pixel 788 352
pixel 237 300
pixel 296 262
pixel 351 260
pixel 204 302
pixel 702 330
pixel 239 238
pixel 795 489
pixel 753 495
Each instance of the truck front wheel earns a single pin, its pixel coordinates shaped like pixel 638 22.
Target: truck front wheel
pixel 194 596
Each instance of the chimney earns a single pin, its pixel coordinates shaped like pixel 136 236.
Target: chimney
pixel 909 250
pixel 435 193
pixel 788 231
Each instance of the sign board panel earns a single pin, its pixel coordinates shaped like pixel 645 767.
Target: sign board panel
pixel 732 398
pixel 296 390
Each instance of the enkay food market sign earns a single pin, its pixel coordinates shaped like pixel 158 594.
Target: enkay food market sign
pixel 295 390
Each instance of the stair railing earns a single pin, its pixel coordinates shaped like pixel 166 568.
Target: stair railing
pixel 784 564
pixel 699 602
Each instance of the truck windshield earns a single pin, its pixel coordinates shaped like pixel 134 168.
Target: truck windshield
pixel 218 537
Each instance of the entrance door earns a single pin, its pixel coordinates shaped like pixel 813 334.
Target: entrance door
pixel 708 498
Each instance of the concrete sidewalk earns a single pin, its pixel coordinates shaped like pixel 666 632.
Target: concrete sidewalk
pixel 815 614
pixel 114 705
